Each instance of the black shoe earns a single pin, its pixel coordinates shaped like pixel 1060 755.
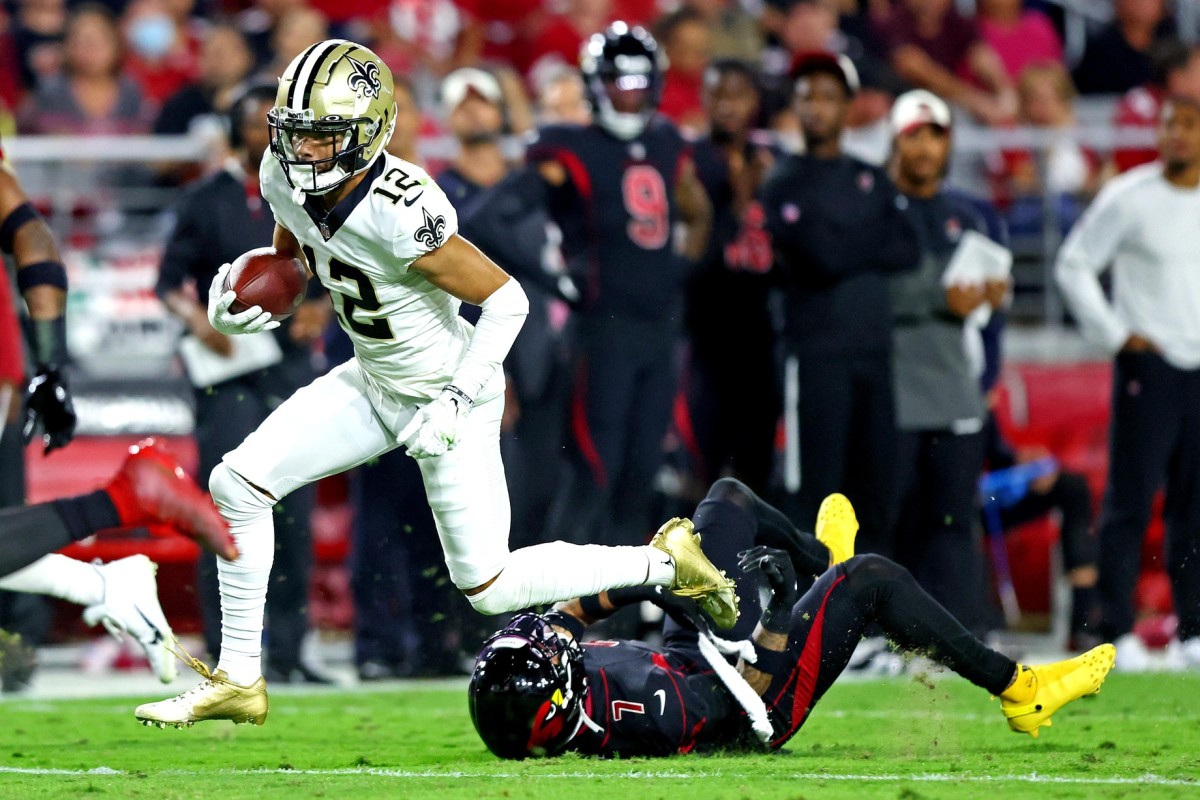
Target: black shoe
pixel 300 673
pixel 17 663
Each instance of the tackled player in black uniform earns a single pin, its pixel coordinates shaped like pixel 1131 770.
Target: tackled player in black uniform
pixel 536 691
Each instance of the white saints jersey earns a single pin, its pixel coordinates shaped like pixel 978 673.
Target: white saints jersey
pixel 406 332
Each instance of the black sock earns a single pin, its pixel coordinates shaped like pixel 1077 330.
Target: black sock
pixel 1085 602
pixel 87 513
pixel 30 532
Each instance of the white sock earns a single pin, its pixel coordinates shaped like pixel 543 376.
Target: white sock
pixel 58 576
pixel 243 582
pixel 546 573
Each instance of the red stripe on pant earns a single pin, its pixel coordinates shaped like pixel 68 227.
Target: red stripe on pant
pixel 583 433
pixel 808 668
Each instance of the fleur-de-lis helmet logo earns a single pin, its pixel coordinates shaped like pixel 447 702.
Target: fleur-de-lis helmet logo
pixel 430 234
pixel 364 77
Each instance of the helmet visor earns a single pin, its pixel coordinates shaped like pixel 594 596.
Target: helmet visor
pixel 317 155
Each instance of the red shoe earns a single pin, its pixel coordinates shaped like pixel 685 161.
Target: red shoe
pixel 151 487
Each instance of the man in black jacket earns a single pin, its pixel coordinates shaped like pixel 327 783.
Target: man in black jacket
pixel 837 234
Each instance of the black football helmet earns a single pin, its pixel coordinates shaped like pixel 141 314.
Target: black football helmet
pixel 623 71
pixel 526 694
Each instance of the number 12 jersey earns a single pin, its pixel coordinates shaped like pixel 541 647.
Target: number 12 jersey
pixel 407 333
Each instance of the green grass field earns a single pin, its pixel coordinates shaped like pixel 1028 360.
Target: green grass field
pixel 900 738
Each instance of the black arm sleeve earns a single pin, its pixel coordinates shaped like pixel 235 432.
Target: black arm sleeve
pixel 499 223
pixel 183 252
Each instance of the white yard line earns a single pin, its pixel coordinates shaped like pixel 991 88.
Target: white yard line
pixel 1146 779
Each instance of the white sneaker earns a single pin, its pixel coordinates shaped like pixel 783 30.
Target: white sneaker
pixel 131 606
pixel 1184 655
pixel 1132 655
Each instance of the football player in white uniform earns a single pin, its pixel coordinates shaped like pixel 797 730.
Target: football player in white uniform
pixel 381 236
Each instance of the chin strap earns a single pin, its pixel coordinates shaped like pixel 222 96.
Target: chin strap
pixel 297 195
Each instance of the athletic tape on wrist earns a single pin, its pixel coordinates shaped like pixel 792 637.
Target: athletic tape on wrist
pixel 460 394
pixel 12 223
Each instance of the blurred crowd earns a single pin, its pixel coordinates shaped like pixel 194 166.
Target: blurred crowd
pixel 166 66
pixel 745 350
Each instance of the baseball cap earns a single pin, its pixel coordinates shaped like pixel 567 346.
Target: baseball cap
pixel 824 61
pixel 919 107
pixel 458 84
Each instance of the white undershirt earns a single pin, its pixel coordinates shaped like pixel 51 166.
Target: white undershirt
pixel 1148 230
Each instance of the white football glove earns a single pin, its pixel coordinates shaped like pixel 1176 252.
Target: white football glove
pixel 433 430
pixel 252 320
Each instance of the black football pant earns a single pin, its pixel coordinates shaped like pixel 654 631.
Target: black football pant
pixel 733 410
pixel 407 613
pixel 225 415
pixel 1154 441
pixel 829 620
pixel 841 430
pixel 1072 498
pixel 26 614
pixel 620 410
pixel 935 534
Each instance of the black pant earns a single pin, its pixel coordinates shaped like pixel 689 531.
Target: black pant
pixel 829 620
pixel 733 404
pixel 847 431
pixel 397 574
pixel 1072 498
pixel 26 614
pixel 621 406
pixel 533 456
pixel 935 533
pixel 225 415
pixel 1154 439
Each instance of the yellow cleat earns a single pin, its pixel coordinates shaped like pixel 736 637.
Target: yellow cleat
pixel 1040 691
pixel 836 527
pixel 695 576
pixel 215 698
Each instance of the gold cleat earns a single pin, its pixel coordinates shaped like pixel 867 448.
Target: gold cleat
pixel 695 575
pixel 214 698
pixel 1040 691
pixel 837 527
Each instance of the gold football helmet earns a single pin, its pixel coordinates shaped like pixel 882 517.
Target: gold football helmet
pixel 337 92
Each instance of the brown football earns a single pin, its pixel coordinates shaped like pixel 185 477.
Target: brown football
pixel 262 278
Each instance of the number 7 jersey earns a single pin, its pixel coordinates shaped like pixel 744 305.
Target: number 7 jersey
pixel 407 333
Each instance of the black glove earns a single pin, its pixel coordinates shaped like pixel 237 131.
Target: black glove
pixel 776 566
pixel 48 401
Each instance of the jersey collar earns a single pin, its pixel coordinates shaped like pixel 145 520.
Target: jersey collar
pixel 329 223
